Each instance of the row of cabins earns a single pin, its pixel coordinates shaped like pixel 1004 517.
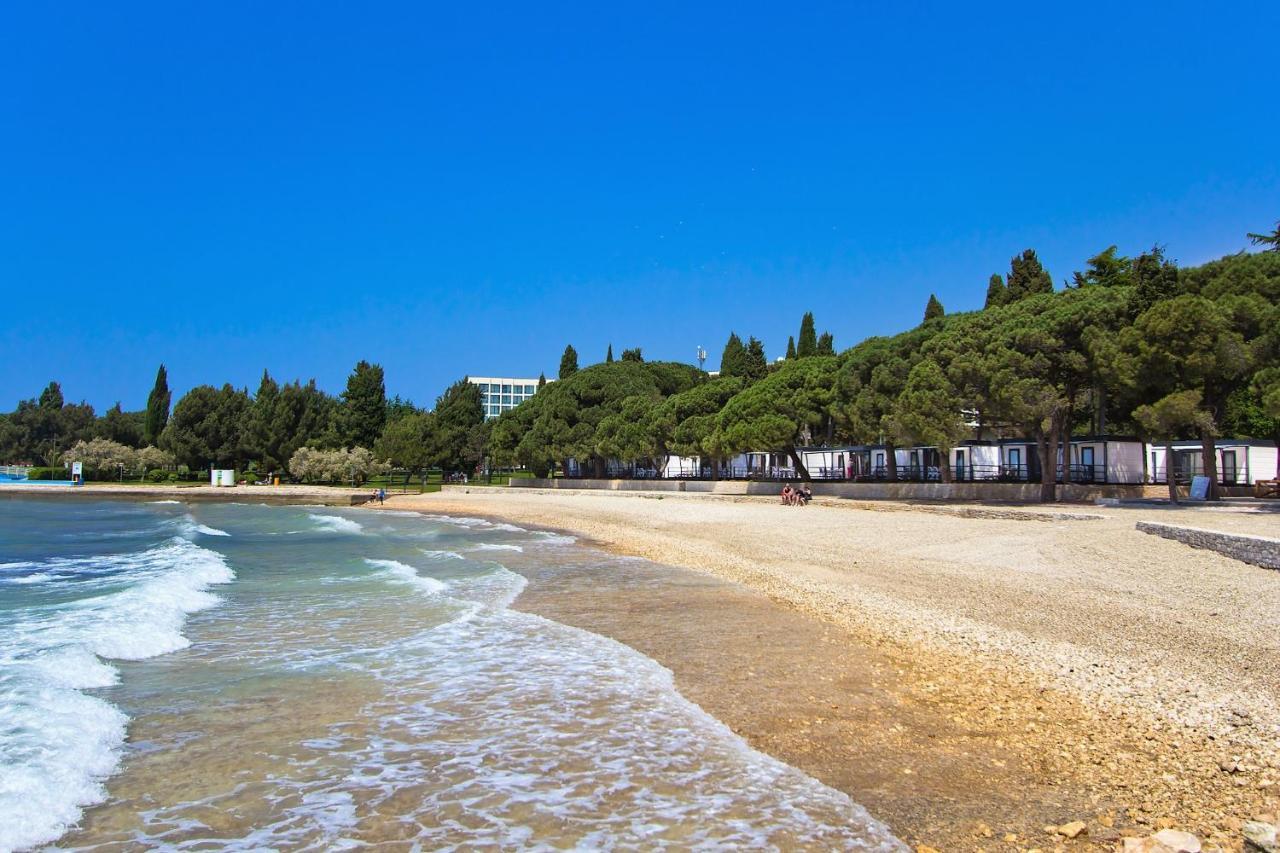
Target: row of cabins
pixel 1091 459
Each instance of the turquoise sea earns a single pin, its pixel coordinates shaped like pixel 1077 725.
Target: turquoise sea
pixel 230 676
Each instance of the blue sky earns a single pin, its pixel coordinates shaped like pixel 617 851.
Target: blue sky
pixel 464 189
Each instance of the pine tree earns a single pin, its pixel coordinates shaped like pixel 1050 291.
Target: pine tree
pixel 826 344
pixel 791 348
pixel 1027 277
pixel 733 361
pixel 808 343
pixel 364 406
pixel 996 292
pixel 157 408
pixel 608 356
pixel 1154 277
pixel 933 309
pixel 632 355
pixel 1271 241
pixel 755 362
pixel 542 381
pixel 568 362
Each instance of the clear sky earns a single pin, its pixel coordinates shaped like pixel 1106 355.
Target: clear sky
pixel 464 189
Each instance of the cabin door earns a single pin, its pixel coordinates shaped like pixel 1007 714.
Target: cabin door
pixel 959 465
pixel 1229 467
pixel 1086 464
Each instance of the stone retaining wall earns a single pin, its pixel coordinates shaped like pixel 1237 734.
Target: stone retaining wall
pixel 1001 492
pixel 1258 550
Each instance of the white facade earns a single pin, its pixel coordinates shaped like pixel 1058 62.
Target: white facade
pixel 501 394
pixel 975 462
pixel 1240 463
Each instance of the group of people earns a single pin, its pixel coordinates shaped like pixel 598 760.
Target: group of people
pixel 796 495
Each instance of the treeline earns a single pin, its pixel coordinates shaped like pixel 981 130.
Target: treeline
pixel 1129 345
pixel 292 427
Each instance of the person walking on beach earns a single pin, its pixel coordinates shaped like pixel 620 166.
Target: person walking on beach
pixel 382 496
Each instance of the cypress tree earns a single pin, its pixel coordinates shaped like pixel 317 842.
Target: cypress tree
pixel 826 344
pixel 1027 277
pixel 995 291
pixel 791 347
pixel 755 362
pixel 542 381
pixel 568 362
pixel 733 361
pixel 608 356
pixel 157 408
pixel 808 343
pixel 933 309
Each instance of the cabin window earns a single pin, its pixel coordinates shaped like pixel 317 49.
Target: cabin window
pixel 879 458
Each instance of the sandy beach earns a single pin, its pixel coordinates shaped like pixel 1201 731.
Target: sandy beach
pixel 977 677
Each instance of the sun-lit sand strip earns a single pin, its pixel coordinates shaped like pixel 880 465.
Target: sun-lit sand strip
pixel 967 678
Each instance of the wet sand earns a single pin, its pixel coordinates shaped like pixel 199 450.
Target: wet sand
pixel 973 681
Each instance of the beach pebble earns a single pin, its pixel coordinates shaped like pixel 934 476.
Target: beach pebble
pixel 1183 842
pixel 1070 830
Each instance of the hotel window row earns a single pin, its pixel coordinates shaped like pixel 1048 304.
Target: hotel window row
pixel 498 395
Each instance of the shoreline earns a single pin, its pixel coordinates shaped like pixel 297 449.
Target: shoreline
pixel 944 732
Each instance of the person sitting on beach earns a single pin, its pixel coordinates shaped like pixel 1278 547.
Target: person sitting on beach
pixel 806 495
pixel 787 495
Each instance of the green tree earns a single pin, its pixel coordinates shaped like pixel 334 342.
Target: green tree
pixel 780 412
pixel 996 291
pixel 632 354
pixel 120 426
pixel 791 348
pixel 826 344
pixel 608 356
pixel 807 343
pixel 1027 277
pixel 1270 241
pixel 1154 278
pixel 259 439
pixel 928 412
pixel 459 418
pixel 684 424
pixel 933 309
pixel 1166 419
pixel 1105 269
pixel 364 406
pixel 157 408
pixel 408 442
pixel 207 427
pixel 733 360
pixel 303 416
pixel 755 363
pixel 1180 345
pixel 542 381
pixel 569 361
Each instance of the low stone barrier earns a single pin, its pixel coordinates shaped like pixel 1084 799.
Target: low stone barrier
pixel 1257 550
pixel 969 491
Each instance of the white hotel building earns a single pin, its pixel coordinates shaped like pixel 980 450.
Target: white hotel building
pixel 501 394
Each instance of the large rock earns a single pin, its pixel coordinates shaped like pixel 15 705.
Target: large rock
pixel 1183 842
pixel 1260 836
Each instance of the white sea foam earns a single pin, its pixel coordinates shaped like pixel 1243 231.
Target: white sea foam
pixel 442 555
pixel 56 743
pixel 496 546
pixel 546 537
pixel 475 523
pixel 164 502
pixel 409 574
pixel 335 523
pixel 38 577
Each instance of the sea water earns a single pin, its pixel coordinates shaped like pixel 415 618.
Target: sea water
pixel 247 677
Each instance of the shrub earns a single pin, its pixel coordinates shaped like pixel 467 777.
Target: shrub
pixel 173 476
pixel 157 476
pixel 48 474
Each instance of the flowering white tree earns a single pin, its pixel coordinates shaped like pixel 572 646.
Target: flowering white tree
pixel 150 458
pixel 102 456
pixel 355 465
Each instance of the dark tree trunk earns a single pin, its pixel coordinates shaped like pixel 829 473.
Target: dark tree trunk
pixel 597 467
pixel 1170 472
pixel 1047 448
pixel 1209 461
pixel 715 468
pixel 944 465
pixel 891 463
pixel 801 471
pixel 1066 448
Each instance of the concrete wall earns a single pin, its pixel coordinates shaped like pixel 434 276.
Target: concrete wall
pixel 1258 550
pixel 1002 492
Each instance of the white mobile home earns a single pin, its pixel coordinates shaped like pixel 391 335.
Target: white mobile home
pixel 849 462
pixel 1241 461
pixel 975 460
pixel 1105 459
